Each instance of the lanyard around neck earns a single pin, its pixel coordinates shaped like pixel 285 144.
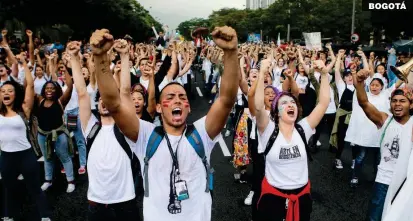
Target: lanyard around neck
pixel 174 155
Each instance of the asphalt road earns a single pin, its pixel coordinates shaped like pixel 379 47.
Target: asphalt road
pixel 334 200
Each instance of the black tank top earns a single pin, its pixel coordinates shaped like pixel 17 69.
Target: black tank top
pixel 50 118
pixel 346 101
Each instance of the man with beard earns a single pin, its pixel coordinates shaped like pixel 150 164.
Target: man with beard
pixel 111 190
pixel 176 178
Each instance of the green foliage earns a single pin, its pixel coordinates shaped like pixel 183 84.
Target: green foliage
pixel 331 17
pixel 82 16
pixel 186 27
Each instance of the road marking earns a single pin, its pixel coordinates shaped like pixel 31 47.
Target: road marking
pixel 223 146
pixel 41 159
pixel 199 92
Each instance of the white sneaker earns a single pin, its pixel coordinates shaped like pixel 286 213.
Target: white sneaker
pixel 46 186
pixel 353 162
pixel 20 177
pixel 46 219
pixel 0 176
pixel 7 219
pixel 227 133
pixel 339 164
pixel 318 143
pixel 70 188
pixel 248 200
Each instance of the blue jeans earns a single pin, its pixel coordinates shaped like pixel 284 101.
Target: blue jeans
pixel 377 201
pixel 62 152
pixel 80 140
pixel 358 165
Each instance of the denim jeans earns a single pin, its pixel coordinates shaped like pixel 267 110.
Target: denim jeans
pixel 22 162
pixel 62 152
pixel 125 211
pixel 358 165
pixel 80 140
pixel 377 201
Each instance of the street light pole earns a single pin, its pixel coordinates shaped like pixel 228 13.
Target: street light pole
pixel 353 17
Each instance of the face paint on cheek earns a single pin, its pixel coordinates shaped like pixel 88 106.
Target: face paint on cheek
pixel 186 104
pixel 165 103
pixel 280 110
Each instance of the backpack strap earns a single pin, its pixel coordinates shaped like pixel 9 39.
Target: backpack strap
pixel 122 141
pixel 196 142
pixel 92 135
pixel 27 124
pixel 302 135
pixel 155 139
pixel 272 139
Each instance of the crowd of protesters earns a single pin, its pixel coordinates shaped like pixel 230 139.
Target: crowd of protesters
pixel 123 107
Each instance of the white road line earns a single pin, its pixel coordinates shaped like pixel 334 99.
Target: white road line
pixel 41 159
pixel 223 146
pixel 199 92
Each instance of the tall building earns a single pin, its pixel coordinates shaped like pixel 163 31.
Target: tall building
pixel 256 4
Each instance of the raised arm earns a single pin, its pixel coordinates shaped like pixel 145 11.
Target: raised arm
pixel 337 68
pixel 123 113
pixel 262 117
pixel 364 59
pixel 65 98
pixel 376 116
pixel 73 49
pixel 251 98
pixel 122 48
pixel 290 83
pixel 243 83
pixel 155 32
pixel 324 96
pixel 29 92
pixel 225 38
pixel 31 46
pixel 301 60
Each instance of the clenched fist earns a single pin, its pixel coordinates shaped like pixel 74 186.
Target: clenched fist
pixel 265 65
pixel 361 75
pixel 73 48
pixel 225 38
pixel 121 46
pixel 29 33
pixel 101 42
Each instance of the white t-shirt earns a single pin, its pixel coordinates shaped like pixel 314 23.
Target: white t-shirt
pixel 286 164
pixel 38 85
pixel 145 83
pixel 341 87
pixel 276 76
pixel 74 100
pixel 92 95
pixel 331 109
pixel 390 148
pixel 109 167
pixel 13 134
pixel 192 170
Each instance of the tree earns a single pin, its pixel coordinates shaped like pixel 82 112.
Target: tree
pixel 186 27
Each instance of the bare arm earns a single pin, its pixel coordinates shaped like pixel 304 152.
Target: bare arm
pixel 217 115
pixel 337 68
pixel 290 83
pixel 243 83
pixel 29 92
pixel 251 98
pixel 301 60
pixel 324 98
pixel 65 98
pixel 376 116
pixel 31 46
pixel 262 118
pixel 151 95
pixel 123 113
pixel 84 99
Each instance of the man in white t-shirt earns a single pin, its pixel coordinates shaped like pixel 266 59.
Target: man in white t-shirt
pixel 173 106
pixel 395 143
pixel 111 191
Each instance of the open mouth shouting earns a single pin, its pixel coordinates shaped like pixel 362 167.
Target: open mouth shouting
pixel 177 114
pixel 291 112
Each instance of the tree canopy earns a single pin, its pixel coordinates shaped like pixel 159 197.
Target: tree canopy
pixel 330 17
pixel 82 16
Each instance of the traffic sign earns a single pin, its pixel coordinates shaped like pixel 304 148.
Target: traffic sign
pixel 355 37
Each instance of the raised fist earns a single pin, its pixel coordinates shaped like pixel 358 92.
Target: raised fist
pixel 101 42
pixel 360 53
pixel 288 73
pixel 225 38
pixel 29 33
pixel 121 46
pixel 21 57
pixel 36 52
pixel 319 66
pixel 265 65
pixel 73 48
pixel 362 75
pixel 342 52
pixel 4 32
pixel 86 55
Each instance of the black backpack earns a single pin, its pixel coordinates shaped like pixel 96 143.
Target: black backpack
pixel 135 164
pixel 262 156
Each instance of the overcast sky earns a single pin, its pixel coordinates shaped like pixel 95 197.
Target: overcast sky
pixel 173 12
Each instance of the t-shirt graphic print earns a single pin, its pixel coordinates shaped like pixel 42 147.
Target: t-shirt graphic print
pixel 289 152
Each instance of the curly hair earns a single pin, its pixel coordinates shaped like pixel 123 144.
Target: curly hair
pixel 274 106
pixel 18 100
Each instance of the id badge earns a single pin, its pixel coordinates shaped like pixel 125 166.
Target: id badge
pixel 181 190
